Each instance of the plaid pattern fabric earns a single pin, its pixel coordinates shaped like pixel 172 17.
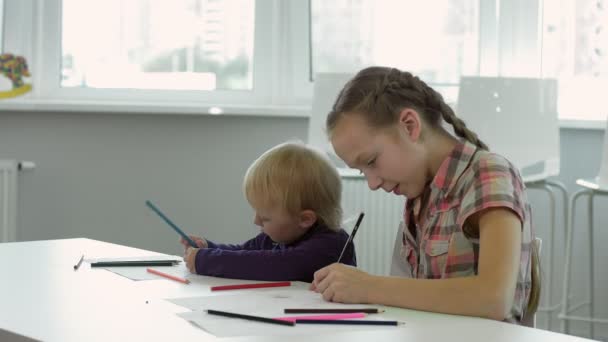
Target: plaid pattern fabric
pixel 468 181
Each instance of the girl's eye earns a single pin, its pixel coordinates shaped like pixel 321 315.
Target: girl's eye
pixel 371 162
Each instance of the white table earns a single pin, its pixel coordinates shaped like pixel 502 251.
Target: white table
pixel 43 298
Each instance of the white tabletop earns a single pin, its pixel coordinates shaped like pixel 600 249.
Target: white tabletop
pixel 43 298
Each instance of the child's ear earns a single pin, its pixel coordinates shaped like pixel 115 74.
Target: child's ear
pixel 410 120
pixel 307 218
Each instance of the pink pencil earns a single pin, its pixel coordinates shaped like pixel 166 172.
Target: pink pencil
pixel 326 317
pixel 168 276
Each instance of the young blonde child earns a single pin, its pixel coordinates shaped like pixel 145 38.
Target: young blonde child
pixel 296 194
pixel 467 244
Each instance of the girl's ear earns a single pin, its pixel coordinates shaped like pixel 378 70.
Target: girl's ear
pixel 307 218
pixel 410 122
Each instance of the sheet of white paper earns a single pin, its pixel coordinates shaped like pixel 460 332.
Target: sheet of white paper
pixel 269 303
pixel 141 273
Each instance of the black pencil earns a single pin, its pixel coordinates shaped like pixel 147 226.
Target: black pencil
pixel 250 318
pixel 352 235
pixel 79 263
pixel 346 322
pixel 332 311
pixel 133 263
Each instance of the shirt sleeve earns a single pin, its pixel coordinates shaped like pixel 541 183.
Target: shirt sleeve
pixel 492 182
pixel 255 243
pixel 288 263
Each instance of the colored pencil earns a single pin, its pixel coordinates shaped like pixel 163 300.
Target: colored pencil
pixel 250 318
pixel 168 276
pixel 346 322
pixel 171 224
pixel 250 286
pixel 334 316
pixel 352 236
pixel 79 263
pixel 332 311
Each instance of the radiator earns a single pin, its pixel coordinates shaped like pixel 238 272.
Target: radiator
pixel 376 235
pixel 8 200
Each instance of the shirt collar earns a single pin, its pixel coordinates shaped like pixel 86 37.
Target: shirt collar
pixel 453 166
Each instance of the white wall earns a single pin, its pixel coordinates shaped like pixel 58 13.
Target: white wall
pixel 94 172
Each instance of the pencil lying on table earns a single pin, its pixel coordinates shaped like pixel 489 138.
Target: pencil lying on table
pixel 250 318
pixel 250 286
pixel 326 317
pixel 333 311
pixel 168 276
pixel 346 322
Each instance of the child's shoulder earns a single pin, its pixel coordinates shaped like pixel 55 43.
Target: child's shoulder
pixel 487 167
pixel 488 159
pixel 324 232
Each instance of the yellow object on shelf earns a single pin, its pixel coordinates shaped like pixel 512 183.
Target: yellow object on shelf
pixel 15 92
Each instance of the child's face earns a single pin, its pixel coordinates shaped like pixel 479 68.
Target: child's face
pixel 390 160
pixel 279 225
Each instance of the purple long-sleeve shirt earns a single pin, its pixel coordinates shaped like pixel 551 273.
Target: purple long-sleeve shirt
pixel 262 259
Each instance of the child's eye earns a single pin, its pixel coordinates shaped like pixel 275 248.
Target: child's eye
pixel 371 162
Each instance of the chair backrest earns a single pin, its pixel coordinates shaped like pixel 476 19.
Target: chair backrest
pixel 529 320
pixel 515 117
pixel 326 88
pixel 602 177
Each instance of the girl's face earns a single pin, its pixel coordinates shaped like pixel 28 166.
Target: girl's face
pixel 391 159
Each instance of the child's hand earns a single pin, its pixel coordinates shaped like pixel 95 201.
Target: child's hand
pixel 344 284
pixel 200 242
pixel 190 258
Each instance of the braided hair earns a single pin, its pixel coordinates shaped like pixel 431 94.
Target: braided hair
pixel 380 93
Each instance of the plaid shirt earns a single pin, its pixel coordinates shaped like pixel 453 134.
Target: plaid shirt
pixel 468 180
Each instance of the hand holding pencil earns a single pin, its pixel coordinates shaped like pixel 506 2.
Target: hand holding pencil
pixel 200 242
pixel 190 259
pixel 343 284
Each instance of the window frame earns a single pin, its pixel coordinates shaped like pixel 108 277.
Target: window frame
pixel 36 28
pixel 282 57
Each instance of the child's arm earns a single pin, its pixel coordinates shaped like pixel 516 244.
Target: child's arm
pixel 489 294
pixel 254 243
pixel 294 263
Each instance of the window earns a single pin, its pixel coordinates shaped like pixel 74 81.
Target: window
pixel 258 56
pixel 158 44
pixel 350 34
pixel 1 26
pixel 185 56
pixel 575 51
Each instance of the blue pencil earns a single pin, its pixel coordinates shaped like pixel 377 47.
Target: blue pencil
pixel 171 224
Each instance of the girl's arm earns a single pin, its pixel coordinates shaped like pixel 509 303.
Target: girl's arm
pixel 489 294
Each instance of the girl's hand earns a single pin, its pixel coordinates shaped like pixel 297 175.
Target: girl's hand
pixel 200 242
pixel 344 284
pixel 190 258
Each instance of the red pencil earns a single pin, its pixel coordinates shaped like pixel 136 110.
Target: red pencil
pixel 168 276
pixel 250 286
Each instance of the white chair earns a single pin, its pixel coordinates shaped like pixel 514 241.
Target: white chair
pixel 509 115
pixel 529 320
pixel 326 88
pixel 597 186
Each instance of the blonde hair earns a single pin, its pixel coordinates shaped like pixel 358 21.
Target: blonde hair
pixel 296 177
